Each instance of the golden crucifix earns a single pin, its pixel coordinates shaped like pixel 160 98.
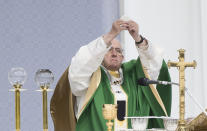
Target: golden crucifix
pixel 181 66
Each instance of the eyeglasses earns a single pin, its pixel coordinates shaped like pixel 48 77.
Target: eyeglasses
pixel 119 51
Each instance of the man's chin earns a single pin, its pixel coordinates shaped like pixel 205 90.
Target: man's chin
pixel 114 67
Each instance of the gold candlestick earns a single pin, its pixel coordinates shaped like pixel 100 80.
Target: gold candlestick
pixel 17 106
pixel 181 66
pixel 44 79
pixel 17 77
pixel 44 89
pixel 44 103
pixel 109 113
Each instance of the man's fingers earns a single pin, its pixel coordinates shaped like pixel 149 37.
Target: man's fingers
pixel 124 25
pixel 122 22
pixel 132 28
pixel 123 28
pixel 132 23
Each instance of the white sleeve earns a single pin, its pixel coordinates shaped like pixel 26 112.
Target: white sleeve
pixel 151 58
pixel 84 63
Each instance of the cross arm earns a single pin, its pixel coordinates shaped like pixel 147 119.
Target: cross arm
pixel 172 64
pixel 191 64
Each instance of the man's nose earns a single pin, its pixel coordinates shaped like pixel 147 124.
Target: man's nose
pixel 114 52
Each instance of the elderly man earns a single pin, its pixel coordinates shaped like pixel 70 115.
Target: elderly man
pixel 97 76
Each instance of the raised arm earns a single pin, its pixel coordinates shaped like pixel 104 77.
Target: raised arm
pixel 84 63
pixel 90 57
pixel 151 56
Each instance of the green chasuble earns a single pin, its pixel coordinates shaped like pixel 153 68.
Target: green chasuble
pixel 141 100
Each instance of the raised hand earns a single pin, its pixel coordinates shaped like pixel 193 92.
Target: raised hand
pixel 116 28
pixel 133 29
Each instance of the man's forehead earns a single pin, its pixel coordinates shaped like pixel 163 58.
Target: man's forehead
pixel 116 44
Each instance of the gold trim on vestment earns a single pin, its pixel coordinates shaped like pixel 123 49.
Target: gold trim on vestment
pixel 94 83
pixel 115 100
pixel 154 91
pixel 114 73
